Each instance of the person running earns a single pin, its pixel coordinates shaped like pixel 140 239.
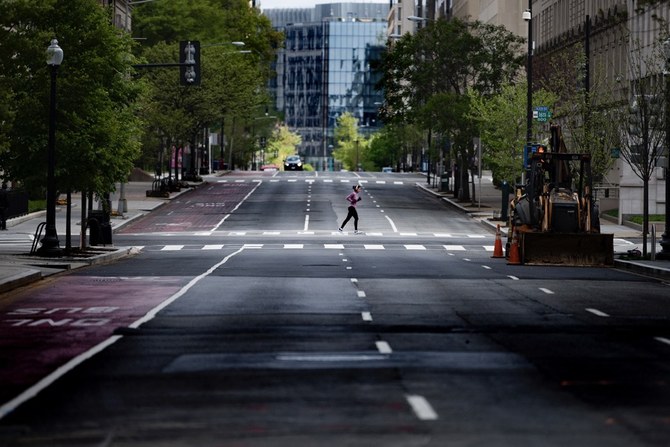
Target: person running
pixel 353 199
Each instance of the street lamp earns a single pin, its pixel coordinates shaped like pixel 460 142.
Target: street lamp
pixel 665 238
pixel 528 17
pixel 50 245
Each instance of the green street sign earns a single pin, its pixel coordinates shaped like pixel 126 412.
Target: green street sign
pixel 542 114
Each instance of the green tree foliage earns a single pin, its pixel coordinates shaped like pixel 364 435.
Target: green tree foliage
pixel 502 124
pixel 283 144
pixel 584 116
pixel 233 83
pixel 351 146
pixel 426 77
pixel 96 123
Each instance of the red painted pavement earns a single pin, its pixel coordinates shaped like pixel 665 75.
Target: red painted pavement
pixel 198 210
pixel 43 328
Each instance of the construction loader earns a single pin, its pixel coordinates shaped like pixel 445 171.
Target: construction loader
pixel 554 216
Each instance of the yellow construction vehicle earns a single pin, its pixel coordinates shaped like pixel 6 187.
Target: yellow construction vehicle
pixel 554 213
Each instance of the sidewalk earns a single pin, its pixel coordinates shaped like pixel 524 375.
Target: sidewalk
pixel 18 267
pixel 487 208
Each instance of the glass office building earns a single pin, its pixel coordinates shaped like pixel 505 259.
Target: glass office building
pixel 324 71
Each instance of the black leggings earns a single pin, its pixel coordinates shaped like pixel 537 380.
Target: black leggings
pixel 352 213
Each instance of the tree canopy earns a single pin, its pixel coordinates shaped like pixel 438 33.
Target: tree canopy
pixel 97 128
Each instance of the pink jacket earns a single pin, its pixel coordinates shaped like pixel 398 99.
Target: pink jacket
pixel 352 199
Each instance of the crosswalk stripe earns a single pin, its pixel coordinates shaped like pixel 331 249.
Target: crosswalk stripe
pixel 454 247
pixel 172 247
pixel 288 246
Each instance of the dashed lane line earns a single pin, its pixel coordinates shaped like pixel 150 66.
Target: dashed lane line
pixel 423 410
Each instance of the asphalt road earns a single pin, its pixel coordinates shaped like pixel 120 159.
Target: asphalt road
pixel 246 319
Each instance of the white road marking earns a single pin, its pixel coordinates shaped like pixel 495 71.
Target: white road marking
pixel 488 247
pixel 597 312
pixel 252 246
pixel 486 267
pixel 61 371
pixel 513 277
pixel 408 234
pixel 236 206
pixel 271 233
pixel 328 357
pixel 213 247
pixel 334 246
pixel 354 280
pixel 476 236
pixel 367 316
pixel 306 223
pixel 547 291
pixel 442 235
pixel 383 347
pixel 415 247
pixel 421 407
pixel 454 247
pixel 361 294
pixel 172 248
pixel 294 246
pixel 373 247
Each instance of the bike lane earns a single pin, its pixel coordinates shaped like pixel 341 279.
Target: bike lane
pixel 201 210
pixel 44 327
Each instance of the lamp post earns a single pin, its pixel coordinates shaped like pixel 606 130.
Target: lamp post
pixel 528 17
pixel 665 238
pixel 50 245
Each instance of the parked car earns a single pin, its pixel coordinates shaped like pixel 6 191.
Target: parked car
pixel 293 163
pixel 269 167
pixel 387 169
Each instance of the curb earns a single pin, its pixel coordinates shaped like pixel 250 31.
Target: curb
pixel 21 278
pixel 643 269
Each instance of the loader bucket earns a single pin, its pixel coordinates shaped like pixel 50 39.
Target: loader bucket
pixel 578 249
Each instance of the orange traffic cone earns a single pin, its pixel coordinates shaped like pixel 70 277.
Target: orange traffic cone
pixel 514 258
pixel 497 248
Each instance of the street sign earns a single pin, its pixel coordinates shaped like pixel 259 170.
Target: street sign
pixel 542 113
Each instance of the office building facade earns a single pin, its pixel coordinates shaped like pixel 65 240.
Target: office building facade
pixel 324 70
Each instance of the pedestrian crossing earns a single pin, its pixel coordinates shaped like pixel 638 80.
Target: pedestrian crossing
pixel 316 180
pixel 298 233
pixel 315 246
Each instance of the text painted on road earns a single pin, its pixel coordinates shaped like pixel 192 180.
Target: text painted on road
pixel 75 316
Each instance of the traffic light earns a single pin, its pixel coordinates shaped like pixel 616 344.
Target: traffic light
pixel 189 60
pixel 529 151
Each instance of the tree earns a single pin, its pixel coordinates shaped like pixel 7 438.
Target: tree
pixel 97 128
pixel 583 113
pixel 232 85
pixel 283 143
pixel 351 146
pixel 642 141
pixel 502 124
pixel 426 77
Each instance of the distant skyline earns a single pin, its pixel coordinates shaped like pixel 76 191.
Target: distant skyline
pixel 270 4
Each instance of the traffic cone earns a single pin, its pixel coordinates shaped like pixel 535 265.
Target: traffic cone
pixel 514 258
pixel 497 248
